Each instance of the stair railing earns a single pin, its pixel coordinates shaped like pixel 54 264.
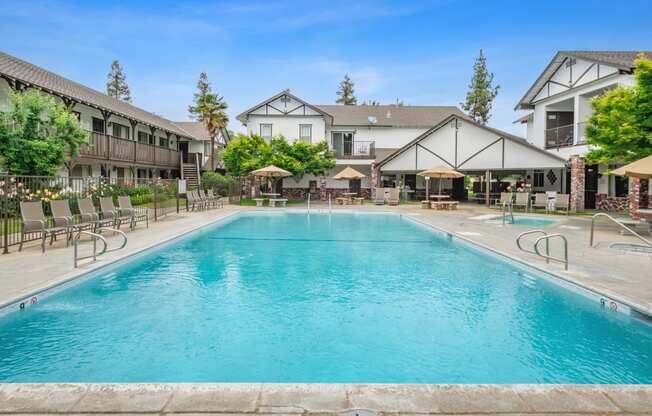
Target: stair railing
pixel 94 237
pixel 647 242
pixel 544 237
pixel 507 206
pixel 198 170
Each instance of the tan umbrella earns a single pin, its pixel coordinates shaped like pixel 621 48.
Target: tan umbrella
pixel 348 173
pixel 271 171
pixel 440 172
pixel 640 169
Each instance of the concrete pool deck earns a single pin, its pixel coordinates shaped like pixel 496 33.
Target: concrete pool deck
pixel 626 277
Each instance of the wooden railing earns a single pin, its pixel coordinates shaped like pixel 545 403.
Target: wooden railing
pixel 102 146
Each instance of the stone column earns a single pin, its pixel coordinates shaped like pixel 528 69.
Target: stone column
pixel 322 187
pixel 638 196
pixel 375 178
pixel 577 185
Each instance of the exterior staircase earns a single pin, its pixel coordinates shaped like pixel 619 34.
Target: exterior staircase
pixel 190 172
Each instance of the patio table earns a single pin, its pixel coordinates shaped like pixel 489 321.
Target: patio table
pixel 439 196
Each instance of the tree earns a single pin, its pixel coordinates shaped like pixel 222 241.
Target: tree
pixel 36 134
pixel 116 83
pixel 620 127
pixel 209 108
pixel 481 92
pixel 346 92
pixel 243 154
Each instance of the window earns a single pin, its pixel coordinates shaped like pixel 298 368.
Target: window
pixel 145 138
pixel 343 143
pixel 537 179
pixel 98 125
pixel 77 114
pixel 266 131
pixel 120 131
pixel 163 142
pixel 305 132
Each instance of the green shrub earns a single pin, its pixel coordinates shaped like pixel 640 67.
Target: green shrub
pixel 220 184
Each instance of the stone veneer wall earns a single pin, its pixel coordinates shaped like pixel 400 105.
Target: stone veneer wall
pixel 603 202
pixel 638 197
pixel 577 170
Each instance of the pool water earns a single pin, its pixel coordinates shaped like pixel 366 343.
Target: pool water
pixel 535 222
pixel 284 297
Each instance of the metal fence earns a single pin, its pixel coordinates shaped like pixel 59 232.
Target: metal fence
pixel 157 198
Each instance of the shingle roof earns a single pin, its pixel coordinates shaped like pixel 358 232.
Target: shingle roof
pixel 623 60
pixel 195 128
pixel 30 74
pixel 389 115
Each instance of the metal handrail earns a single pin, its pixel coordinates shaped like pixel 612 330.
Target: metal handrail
pixel 329 203
pixel 511 211
pixel 523 234
pixel 95 237
pixel 547 255
pixel 602 214
pixel 308 202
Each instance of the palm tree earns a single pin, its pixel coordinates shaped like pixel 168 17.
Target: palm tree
pixel 210 109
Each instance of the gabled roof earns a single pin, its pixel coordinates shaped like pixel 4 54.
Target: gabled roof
pixel 389 115
pixel 622 60
pixel 500 133
pixel 32 75
pixel 198 131
pixel 242 117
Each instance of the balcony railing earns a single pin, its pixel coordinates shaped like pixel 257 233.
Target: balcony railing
pixel 560 136
pixel 105 147
pixel 356 150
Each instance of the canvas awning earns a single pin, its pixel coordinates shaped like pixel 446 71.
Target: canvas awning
pixel 348 173
pixel 271 171
pixel 640 169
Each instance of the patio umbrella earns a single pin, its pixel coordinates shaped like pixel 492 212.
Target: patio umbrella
pixel 640 169
pixel 348 173
pixel 440 172
pixel 271 171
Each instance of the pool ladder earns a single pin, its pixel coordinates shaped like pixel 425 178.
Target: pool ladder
pixel 94 237
pixel 544 237
pixel 508 209
pixel 647 242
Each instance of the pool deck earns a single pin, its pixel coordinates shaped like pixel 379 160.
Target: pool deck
pixel 323 399
pixel 623 277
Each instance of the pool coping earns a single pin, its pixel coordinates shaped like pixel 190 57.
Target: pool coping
pixel 340 399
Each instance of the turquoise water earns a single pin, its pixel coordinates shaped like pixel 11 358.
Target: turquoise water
pixel 533 221
pixel 341 298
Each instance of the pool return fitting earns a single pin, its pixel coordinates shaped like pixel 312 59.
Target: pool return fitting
pixel 544 237
pixel 94 237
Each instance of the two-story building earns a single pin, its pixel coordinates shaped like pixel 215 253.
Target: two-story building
pixel 559 104
pixel 125 142
pixel 390 144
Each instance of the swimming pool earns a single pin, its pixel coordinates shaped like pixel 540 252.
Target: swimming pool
pixel 526 221
pixel 290 297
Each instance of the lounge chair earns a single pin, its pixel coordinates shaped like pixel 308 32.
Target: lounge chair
pixel 540 201
pixel 127 210
pixel 194 202
pixel 217 200
pixel 110 212
pixel 562 202
pixel 394 195
pixel 89 214
pixel 208 202
pixel 34 221
pixel 505 198
pixel 522 200
pixel 379 198
pixel 63 217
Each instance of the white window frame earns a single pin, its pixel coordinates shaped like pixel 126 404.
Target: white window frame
pixel 263 125
pixel 305 138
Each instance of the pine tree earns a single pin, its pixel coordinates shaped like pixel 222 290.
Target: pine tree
pixel 481 92
pixel 116 83
pixel 209 108
pixel 346 93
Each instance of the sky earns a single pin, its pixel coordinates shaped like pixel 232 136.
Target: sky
pixel 420 52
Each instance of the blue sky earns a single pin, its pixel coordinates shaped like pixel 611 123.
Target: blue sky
pixel 421 52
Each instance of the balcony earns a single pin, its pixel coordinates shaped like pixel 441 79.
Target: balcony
pixel 560 136
pixel 356 150
pixel 104 147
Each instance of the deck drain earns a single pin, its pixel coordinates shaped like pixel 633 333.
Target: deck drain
pixel 359 412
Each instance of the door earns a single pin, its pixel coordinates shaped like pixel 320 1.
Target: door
pixel 183 148
pixel 354 185
pixel 590 186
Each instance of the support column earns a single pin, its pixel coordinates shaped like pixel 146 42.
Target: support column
pixel 322 187
pixel 577 185
pixel 638 196
pixel 375 177
pixel 487 196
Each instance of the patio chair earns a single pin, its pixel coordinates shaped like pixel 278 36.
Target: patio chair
pixel 562 202
pixel 34 221
pixel 394 195
pixel 379 198
pixel 217 200
pixel 203 196
pixel 522 200
pixel 89 214
pixel 63 217
pixel 194 202
pixel 505 198
pixel 540 201
pixel 127 210
pixel 110 212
